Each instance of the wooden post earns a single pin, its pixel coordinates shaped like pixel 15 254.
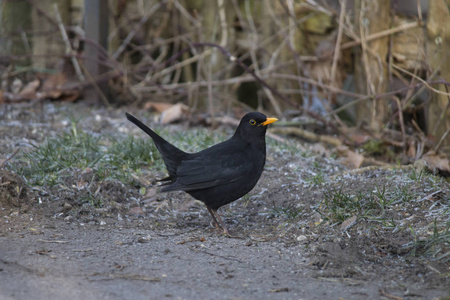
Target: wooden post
pixel 14 22
pixel 371 76
pixel 438 29
pixel 96 28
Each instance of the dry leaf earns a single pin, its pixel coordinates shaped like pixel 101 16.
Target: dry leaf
pixel 348 223
pixel 174 113
pixel 359 138
pixel 57 86
pixel 411 150
pixel 70 96
pixel 351 158
pixel 51 88
pixel 29 91
pixel 157 106
pixel 320 149
pixel 437 162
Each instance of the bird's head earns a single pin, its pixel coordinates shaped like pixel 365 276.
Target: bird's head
pixel 253 124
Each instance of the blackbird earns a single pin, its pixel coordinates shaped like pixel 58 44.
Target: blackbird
pixel 220 174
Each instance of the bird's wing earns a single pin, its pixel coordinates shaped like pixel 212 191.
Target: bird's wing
pixel 209 168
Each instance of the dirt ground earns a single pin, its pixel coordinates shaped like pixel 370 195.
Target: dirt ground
pixel 162 246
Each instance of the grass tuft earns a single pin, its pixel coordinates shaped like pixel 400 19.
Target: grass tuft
pixel 78 150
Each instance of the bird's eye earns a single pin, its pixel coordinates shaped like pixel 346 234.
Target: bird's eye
pixel 252 122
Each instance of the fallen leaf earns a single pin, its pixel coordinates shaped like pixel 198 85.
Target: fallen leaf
pixel 29 91
pixel 351 158
pixel 57 86
pixel 437 162
pixel 359 138
pixel 174 113
pixel 348 223
pixel 53 84
pixel 320 149
pixel 411 150
pixel 157 106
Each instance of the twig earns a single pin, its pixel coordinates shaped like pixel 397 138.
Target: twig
pixel 378 35
pixel 410 101
pixel 210 95
pixel 124 276
pixel 428 197
pixel 92 81
pixel 439 144
pixel 402 123
pixel 421 80
pixel 318 84
pixel 239 62
pixel 9 158
pixel 186 14
pixel 443 114
pixel 223 24
pixel 180 65
pixel 338 43
pixel 384 95
pixel 53 241
pixel 141 22
pixel 307 135
pixel 383 293
pixel 253 55
pixel 419 11
pixel 69 49
pixel 221 256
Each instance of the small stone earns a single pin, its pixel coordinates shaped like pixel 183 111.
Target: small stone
pixel 144 239
pixel 67 206
pixel 136 211
pixel 301 238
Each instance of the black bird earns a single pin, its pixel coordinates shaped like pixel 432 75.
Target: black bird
pixel 220 174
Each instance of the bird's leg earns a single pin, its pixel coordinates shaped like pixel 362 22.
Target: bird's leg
pixel 218 220
pixel 214 220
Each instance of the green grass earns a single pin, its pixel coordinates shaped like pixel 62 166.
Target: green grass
pixel 417 175
pixel 337 205
pixel 110 157
pixel 317 179
pixel 56 166
pixel 45 164
pixel 288 212
pixel 389 208
pixel 435 245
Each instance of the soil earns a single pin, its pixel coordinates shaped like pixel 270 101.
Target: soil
pixel 162 246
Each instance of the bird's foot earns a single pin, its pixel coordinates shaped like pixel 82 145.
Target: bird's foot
pixel 220 225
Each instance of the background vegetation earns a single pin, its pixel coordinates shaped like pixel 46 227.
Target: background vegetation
pixel 360 70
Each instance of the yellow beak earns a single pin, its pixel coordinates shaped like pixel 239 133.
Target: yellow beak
pixel 269 121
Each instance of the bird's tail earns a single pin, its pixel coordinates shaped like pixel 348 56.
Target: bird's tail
pixel 171 155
